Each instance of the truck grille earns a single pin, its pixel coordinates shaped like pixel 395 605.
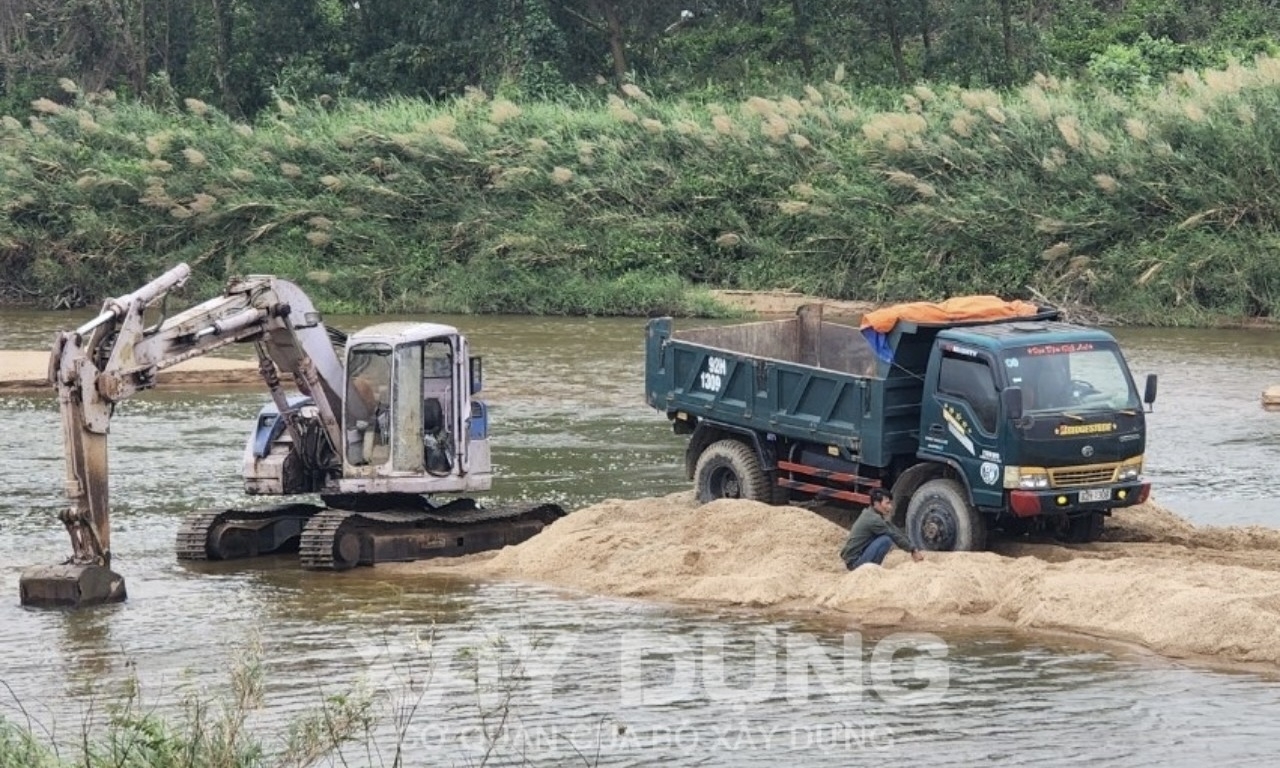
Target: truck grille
pixel 1069 477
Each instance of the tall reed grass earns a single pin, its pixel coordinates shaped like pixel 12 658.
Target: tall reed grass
pixel 1158 206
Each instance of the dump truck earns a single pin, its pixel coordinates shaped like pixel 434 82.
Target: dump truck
pixel 383 425
pixel 977 414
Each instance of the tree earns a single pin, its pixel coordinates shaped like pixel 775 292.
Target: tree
pixel 926 36
pixel 895 39
pixel 800 31
pixel 223 40
pixel 623 27
pixel 96 43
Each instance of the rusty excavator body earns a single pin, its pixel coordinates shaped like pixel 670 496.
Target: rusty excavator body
pixel 382 424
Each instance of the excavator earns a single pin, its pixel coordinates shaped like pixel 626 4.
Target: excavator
pixel 380 424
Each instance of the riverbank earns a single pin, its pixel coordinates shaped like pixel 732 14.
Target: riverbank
pixel 1135 205
pixel 27 371
pixel 777 303
pixel 1155 581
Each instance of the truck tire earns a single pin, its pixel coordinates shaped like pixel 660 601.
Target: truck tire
pixel 940 518
pixel 729 469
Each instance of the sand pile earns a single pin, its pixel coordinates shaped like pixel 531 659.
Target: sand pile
pixel 728 551
pixel 1154 523
pixel 27 371
pixel 1159 582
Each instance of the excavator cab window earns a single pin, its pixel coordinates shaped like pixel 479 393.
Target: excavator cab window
pixel 437 372
pixel 438 363
pixel 368 404
pixel 400 406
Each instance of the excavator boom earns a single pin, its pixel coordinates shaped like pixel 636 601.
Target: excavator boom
pixel 114 356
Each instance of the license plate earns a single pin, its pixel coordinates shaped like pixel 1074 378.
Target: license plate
pixel 1095 494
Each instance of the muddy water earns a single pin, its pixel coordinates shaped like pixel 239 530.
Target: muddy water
pixel 1212 446
pixel 581 679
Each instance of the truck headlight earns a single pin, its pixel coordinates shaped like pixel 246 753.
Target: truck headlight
pixel 1130 470
pixel 1027 478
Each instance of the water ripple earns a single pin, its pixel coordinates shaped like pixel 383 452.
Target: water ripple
pixel 622 682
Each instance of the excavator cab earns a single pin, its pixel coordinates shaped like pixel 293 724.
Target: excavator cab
pixel 407 412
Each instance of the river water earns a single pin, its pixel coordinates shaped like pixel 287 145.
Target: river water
pixel 498 673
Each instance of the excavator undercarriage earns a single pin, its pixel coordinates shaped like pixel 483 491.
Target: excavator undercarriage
pixel 332 539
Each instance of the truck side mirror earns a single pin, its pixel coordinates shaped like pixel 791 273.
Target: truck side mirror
pixel 1011 402
pixel 1149 394
pixel 477 376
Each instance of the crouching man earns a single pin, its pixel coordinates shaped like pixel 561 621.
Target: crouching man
pixel 872 535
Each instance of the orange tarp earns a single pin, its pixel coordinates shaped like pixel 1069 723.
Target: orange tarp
pixel 956 310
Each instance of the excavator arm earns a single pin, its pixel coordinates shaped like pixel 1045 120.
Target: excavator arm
pixel 116 355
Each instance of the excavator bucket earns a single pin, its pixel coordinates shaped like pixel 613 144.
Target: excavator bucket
pixel 70 586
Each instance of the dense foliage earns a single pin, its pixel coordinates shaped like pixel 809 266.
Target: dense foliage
pixel 1156 205
pixel 235 53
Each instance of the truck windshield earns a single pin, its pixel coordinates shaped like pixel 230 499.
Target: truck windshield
pixel 1070 377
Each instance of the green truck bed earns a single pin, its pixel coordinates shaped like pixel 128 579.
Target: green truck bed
pixel 802 377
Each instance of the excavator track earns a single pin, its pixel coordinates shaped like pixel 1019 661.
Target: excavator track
pixel 337 540
pixel 229 534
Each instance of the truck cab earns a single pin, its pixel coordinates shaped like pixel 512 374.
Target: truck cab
pixel 1037 419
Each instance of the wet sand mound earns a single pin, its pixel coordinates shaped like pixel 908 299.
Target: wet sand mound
pixel 1159 581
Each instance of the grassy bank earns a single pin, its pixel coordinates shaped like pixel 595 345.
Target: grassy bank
pixel 238 723
pixel 1156 207
pixel 201 730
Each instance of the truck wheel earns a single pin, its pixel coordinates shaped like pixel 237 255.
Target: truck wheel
pixel 729 469
pixel 940 518
pixel 1085 528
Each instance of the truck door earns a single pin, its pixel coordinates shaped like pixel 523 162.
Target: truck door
pixel 962 421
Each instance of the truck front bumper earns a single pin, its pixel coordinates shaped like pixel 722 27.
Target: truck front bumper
pixel 1067 500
